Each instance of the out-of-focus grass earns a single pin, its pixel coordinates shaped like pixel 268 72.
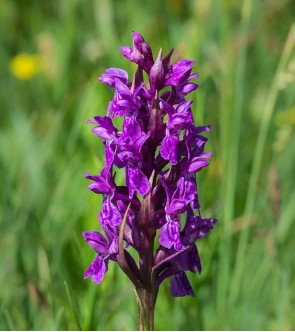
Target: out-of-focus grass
pixel 244 51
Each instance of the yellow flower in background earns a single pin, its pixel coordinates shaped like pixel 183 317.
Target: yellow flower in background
pixel 25 66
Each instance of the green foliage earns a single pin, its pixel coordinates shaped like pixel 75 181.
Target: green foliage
pixel 244 52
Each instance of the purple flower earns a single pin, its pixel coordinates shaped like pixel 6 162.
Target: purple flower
pixel 113 74
pixel 170 233
pixel 160 150
pixel 141 52
pixel 169 147
pixel 104 249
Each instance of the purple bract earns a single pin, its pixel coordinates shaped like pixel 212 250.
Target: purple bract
pixel 160 149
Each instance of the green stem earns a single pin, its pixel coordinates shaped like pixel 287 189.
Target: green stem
pixel 146 308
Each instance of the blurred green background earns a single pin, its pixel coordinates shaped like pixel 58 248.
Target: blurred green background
pixel 51 55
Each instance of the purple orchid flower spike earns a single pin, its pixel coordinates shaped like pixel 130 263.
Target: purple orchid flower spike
pixel 160 150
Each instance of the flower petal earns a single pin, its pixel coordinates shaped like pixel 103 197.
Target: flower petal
pixel 96 241
pixel 170 234
pixel 97 269
pixel 180 286
pixel 169 149
pixel 137 181
pixel 112 74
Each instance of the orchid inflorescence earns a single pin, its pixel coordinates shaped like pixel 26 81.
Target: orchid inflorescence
pixel 161 150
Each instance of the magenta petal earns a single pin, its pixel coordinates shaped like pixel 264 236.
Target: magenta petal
pixel 100 188
pixel 197 165
pixel 177 206
pixel 137 181
pixel 96 241
pixel 102 132
pixel 122 88
pixel 180 72
pixel 127 52
pixel 170 236
pixel 169 149
pixel 97 269
pixel 110 214
pixel 189 87
pixel 131 129
pixel 111 74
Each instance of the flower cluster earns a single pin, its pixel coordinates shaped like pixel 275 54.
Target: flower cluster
pixel 160 149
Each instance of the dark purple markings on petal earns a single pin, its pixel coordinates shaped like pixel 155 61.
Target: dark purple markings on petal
pixel 97 269
pixel 170 234
pixel 177 206
pixel 184 194
pixel 131 129
pixel 180 285
pixel 137 181
pixel 112 74
pixel 169 149
pixel 110 213
pixel 115 109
